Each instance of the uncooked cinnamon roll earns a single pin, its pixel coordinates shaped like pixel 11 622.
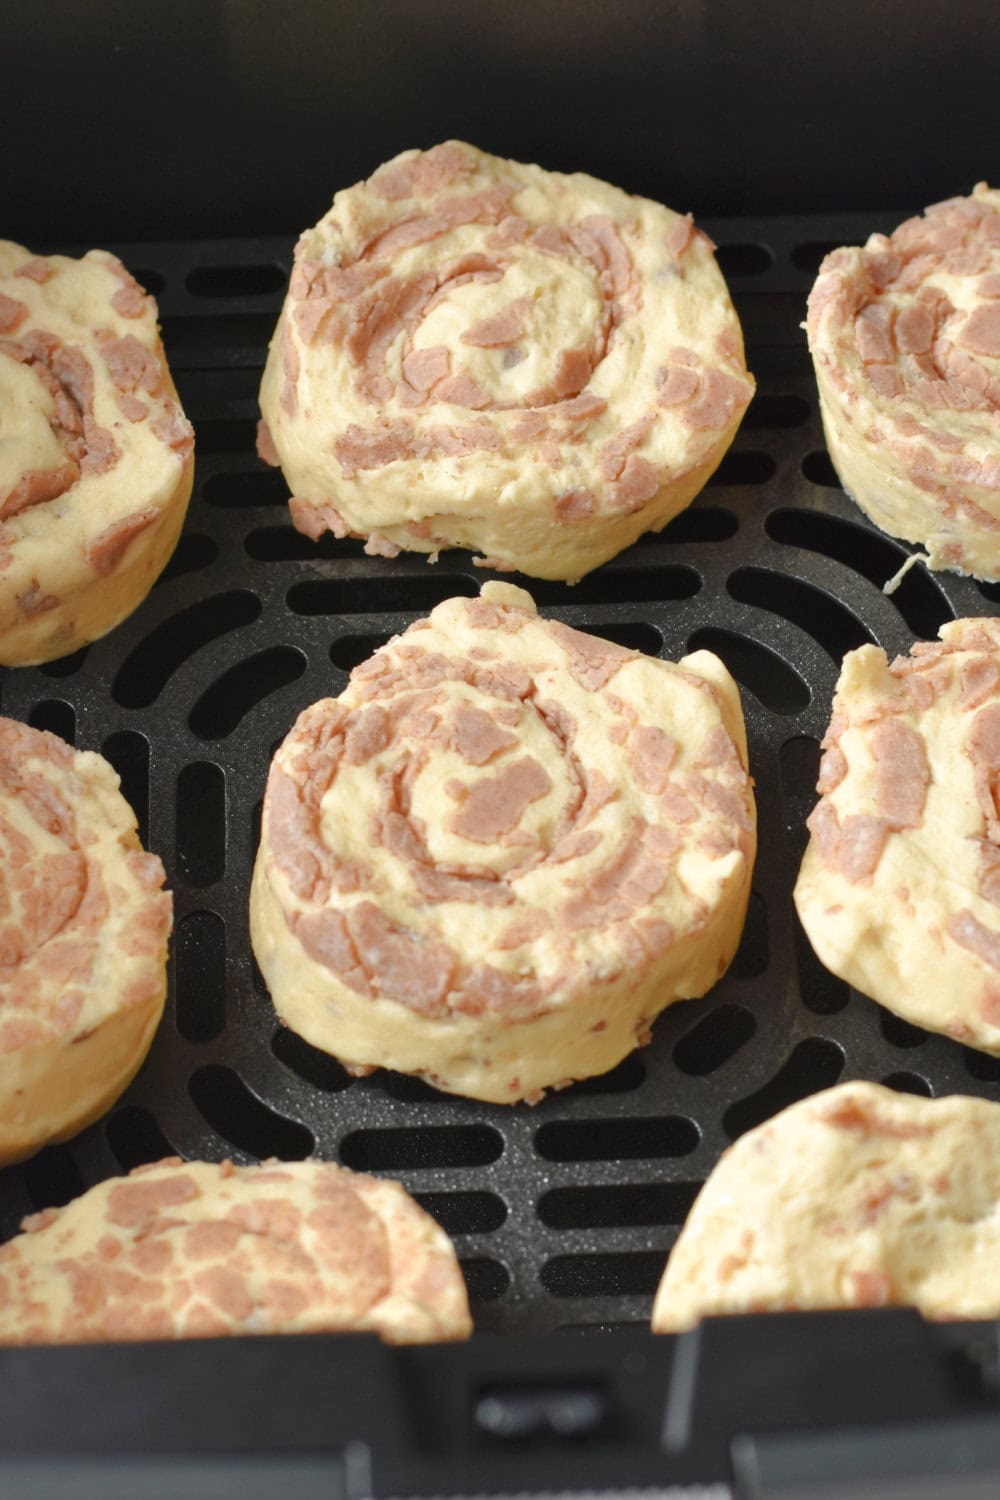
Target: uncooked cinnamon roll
pixel 96 464
pixel 482 354
pixel 83 940
pixel 899 890
pixel 905 337
pixel 855 1197
pixel 503 851
pixel 202 1249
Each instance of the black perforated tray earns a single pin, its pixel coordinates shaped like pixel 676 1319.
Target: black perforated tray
pixel 563 1213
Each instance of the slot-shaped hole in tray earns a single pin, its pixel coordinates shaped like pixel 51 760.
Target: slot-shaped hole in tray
pixel 808 255
pixel 223 706
pixel 741 467
pixel 55 717
pixel 798 770
pixel 715 1039
pixel 632 1139
pixel 135 1137
pixel 628 1075
pixel 631 1273
pixel 235 281
pixel 349 651
pixel 816 1063
pixel 485 1280
pixel 223 1099
pixel 200 827
pixel 900 1033
pixel 200 967
pixel 220 338
pixel 421 1146
pixel 754 954
pixel 905 1082
pixel 191 554
pixel 315 1068
pixel 378 591
pixel 822 992
pixel 149 666
pixel 235 489
pixel 705 523
pixel 66 666
pixel 830 623
pixel 818 469
pixel 285 544
pixel 256 818
pixel 128 752
pixel 777 412
pixel 744 259
pixel 634 635
pixel 410 1090
pixel 226 435
pixel 611 584
pixel 757 668
pixel 773 318
pixel 981 1065
pixel 52 1178
pixel 465 1213
pixel 611 1207
pixel 151 281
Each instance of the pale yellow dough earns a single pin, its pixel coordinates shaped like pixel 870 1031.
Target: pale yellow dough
pixel 83 941
pixel 898 890
pixel 203 1249
pixel 96 459
pixel 479 353
pixel 855 1197
pixel 503 851
pixel 905 339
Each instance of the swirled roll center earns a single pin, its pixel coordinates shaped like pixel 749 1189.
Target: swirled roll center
pixel 468 784
pixel 506 333
pixel 927 320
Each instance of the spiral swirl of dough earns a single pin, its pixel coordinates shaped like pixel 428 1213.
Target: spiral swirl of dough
pixel 503 850
pixel 96 465
pixel 83 940
pixel 482 354
pixel 905 338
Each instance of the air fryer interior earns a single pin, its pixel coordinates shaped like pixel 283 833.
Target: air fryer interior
pixel 562 1213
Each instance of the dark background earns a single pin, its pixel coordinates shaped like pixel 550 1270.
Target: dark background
pixel 195 118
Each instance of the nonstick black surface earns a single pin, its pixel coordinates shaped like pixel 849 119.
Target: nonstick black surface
pixel 563 1213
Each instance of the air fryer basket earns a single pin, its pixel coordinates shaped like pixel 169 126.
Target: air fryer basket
pixel 562 1214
